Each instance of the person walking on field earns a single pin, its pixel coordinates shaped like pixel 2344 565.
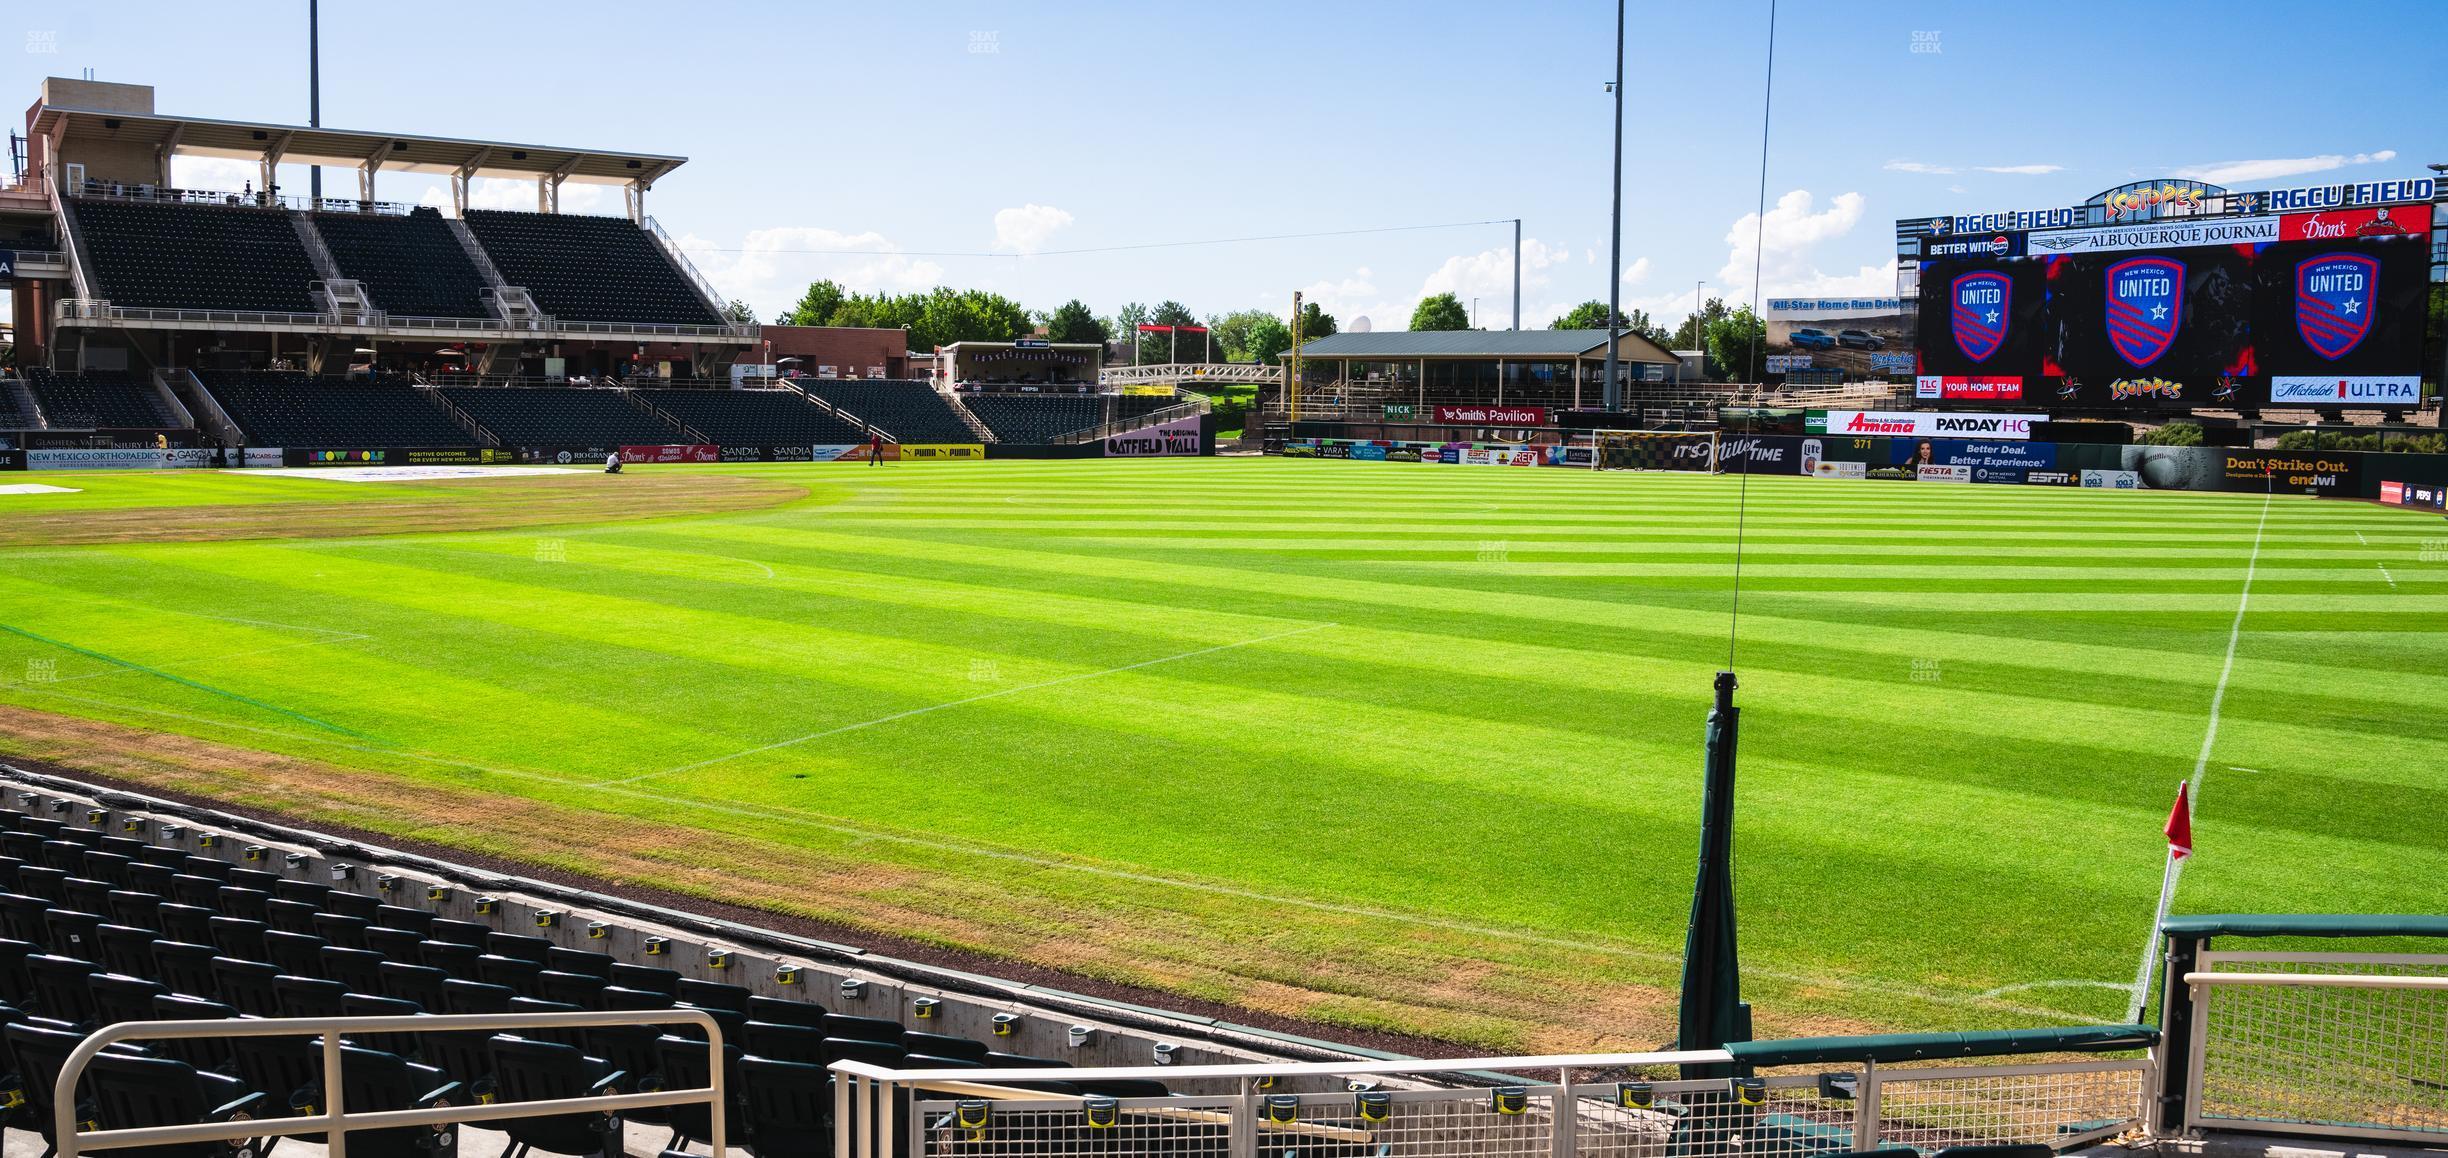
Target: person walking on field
pixel 875 449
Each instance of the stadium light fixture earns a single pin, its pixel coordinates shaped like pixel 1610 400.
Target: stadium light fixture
pixel 1612 391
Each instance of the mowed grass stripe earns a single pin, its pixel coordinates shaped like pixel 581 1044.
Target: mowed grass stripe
pixel 1505 741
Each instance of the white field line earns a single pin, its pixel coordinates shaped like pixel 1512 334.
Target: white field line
pixel 2384 573
pixel 939 844
pixel 2360 539
pixel 2140 989
pixel 106 673
pixel 1073 678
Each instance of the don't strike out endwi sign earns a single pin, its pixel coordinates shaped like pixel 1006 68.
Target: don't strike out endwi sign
pixel 1492 415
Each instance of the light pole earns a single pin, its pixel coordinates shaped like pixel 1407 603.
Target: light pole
pixel 1614 388
pixel 314 91
pixel 1474 313
pixel 1516 275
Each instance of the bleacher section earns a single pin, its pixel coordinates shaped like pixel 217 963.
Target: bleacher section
pixel 557 417
pixel 1134 405
pixel 12 416
pixel 908 411
pixel 756 417
pixel 200 257
pixel 601 269
pixel 275 409
pixel 98 399
pixel 98 929
pixel 1036 419
pixel 411 266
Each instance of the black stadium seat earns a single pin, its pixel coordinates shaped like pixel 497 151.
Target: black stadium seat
pixel 1036 419
pixel 277 409
pixel 411 266
pixel 183 256
pixel 756 417
pixel 908 411
pixel 562 417
pixel 597 269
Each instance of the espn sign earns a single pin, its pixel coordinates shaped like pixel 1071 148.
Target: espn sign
pixel 1491 415
pixel 1919 424
pixel 1970 389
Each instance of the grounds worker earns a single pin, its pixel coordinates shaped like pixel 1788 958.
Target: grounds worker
pixel 612 464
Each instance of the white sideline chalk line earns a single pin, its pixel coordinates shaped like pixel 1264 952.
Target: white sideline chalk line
pixel 2062 983
pixel 1073 678
pixel 2384 573
pixel 832 824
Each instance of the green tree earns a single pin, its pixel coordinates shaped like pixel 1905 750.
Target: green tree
pixel 1315 323
pixel 947 315
pixel 1232 333
pixel 1266 340
pixel 1440 312
pixel 740 312
pixel 815 307
pixel 1072 322
pixel 2184 434
pixel 1592 314
pixel 1693 333
pixel 1736 342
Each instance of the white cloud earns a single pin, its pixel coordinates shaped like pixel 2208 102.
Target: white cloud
pixel 519 193
pixel 1026 228
pixel 1637 272
pixel 1916 167
pixel 771 267
pixel 2021 170
pixel 1488 276
pixel 2270 169
pixel 214 173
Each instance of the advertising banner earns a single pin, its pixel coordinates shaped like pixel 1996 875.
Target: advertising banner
pixel 1847 335
pixel 1491 415
pixel 1176 438
pixel 1959 474
pixel 2171 234
pixel 1968 388
pixel 676 453
pixel 2004 243
pixel 1642 451
pixel 2210 468
pixel 2377 390
pixel 131 458
pixel 1763 453
pixel 1979 460
pixel 942 452
pixel 2147 392
pixel 1919 423
pixel 2340 224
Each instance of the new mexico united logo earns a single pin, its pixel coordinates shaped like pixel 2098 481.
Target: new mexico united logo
pixel 2333 295
pixel 2145 307
pixel 1982 300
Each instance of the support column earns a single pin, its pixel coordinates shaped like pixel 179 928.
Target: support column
pixel 366 170
pixel 460 178
pixel 270 164
pixel 634 196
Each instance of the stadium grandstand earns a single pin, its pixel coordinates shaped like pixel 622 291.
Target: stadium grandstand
pixel 343 329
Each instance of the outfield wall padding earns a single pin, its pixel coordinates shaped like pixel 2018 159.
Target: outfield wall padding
pixel 1897 1047
pixel 2305 925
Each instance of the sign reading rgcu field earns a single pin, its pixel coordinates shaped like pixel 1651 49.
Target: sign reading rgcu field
pixel 1492 415
pixel 1919 424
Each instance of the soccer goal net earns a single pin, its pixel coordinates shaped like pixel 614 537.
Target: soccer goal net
pixel 1656 450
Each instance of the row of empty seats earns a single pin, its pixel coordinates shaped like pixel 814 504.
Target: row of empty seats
pixel 287 409
pixel 99 929
pixel 756 417
pixel 99 399
pixel 597 268
pixel 160 254
pixel 1036 418
pixel 561 417
pixel 179 255
pixel 909 411
pixel 411 266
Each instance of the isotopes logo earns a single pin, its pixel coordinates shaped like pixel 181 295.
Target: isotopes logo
pixel 2333 295
pixel 1981 299
pixel 2145 307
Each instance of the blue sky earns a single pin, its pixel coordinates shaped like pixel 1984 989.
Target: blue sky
pixel 915 135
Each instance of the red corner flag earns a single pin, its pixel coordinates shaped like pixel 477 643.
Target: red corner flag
pixel 2180 823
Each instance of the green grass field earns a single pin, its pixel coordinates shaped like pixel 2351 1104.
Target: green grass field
pixel 1379 745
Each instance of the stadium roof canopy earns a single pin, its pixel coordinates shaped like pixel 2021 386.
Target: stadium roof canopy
pixel 299 144
pixel 1525 345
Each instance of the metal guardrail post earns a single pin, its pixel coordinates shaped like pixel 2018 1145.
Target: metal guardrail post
pixel 1564 1112
pixel 1242 1139
pixel 1866 1109
pixel 2179 1036
pixel 336 1142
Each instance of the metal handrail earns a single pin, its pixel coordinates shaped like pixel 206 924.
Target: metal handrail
pixel 335 1122
pixel 1199 405
pixel 1353 1068
pixel 100 309
pixel 2317 980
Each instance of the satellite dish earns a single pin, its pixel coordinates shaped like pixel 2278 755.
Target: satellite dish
pixel 1360 325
